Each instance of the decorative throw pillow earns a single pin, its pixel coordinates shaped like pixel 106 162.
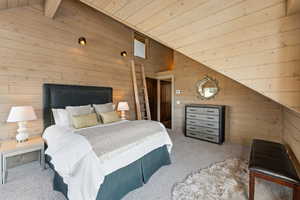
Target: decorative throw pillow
pixel 83 121
pixel 109 117
pixel 78 110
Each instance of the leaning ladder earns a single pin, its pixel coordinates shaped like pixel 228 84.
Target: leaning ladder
pixel 142 105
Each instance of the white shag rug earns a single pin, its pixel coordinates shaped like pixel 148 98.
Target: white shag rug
pixel 227 180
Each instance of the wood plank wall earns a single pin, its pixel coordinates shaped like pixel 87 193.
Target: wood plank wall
pixel 35 50
pixel 291 131
pixel 251 115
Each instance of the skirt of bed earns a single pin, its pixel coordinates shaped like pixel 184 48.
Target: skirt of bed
pixel 117 184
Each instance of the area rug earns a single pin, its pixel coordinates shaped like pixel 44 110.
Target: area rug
pixel 227 180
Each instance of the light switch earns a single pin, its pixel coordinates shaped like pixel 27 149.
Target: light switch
pixel 179 91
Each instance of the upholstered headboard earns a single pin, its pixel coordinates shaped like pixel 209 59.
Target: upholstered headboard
pixel 60 96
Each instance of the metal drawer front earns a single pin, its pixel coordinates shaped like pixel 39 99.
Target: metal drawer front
pixel 209 131
pixel 211 111
pixel 202 123
pixel 204 130
pixel 208 111
pixel 203 117
pixel 203 136
pixel 195 110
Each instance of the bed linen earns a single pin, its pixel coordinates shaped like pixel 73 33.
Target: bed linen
pixel 84 157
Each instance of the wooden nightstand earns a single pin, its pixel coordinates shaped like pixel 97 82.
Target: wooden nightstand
pixel 12 148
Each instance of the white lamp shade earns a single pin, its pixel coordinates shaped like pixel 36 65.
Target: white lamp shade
pixel 122 106
pixel 21 113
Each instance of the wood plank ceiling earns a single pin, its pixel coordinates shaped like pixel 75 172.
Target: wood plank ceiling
pixel 6 4
pixel 251 41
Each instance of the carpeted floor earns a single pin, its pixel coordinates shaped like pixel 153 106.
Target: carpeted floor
pixel 29 182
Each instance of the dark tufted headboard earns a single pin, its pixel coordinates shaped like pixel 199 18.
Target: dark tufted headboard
pixel 60 96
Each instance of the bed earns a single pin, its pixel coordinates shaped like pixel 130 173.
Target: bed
pixel 119 179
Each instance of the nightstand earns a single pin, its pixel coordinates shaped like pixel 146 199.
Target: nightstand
pixel 12 148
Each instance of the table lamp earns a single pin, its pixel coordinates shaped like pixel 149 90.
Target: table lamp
pixel 21 114
pixel 123 106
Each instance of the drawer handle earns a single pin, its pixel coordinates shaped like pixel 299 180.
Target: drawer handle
pixel 192 133
pixel 192 128
pixel 210 131
pixel 210 111
pixel 192 122
pixel 210 138
pixel 210 118
pixel 192 115
pixel 209 124
pixel 193 110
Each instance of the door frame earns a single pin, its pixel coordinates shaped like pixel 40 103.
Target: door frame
pixel 165 77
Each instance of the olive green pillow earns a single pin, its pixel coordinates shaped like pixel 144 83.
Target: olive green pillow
pixel 109 117
pixel 83 121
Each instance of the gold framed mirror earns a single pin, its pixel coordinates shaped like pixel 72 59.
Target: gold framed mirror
pixel 207 88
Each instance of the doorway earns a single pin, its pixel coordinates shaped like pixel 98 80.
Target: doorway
pixel 165 102
pixel 160 94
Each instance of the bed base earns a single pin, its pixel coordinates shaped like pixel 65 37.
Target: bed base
pixel 117 184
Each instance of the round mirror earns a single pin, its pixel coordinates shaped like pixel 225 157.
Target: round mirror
pixel 207 88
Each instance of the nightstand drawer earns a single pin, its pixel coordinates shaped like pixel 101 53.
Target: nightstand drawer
pixel 203 136
pixel 12 148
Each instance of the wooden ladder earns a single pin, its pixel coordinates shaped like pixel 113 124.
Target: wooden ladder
pixel 140 93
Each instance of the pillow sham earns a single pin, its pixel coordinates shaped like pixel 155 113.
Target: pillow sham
pixel 109 117
pixel 61 117
pixel 83 121
pixel 102 108
pixel 79 110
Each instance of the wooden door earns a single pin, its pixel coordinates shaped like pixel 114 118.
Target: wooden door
pixel 166 103
pixel 152 96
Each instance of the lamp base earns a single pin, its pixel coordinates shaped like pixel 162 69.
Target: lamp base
pixel 22 135
pixel 123 115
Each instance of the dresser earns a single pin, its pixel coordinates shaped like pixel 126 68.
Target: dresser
pixel 205 122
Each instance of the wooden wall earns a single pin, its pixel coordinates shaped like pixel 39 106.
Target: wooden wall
pixel 251 41
pixel 291 131
pixel 250 114
pixel 7 4
pixel 35 50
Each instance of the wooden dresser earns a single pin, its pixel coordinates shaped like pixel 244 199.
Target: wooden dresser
pixel 205 122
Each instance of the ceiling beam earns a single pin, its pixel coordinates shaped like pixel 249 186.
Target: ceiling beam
pixel 51 7
pixel 293 6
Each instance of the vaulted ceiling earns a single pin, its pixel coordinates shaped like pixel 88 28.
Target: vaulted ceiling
pixel 251 41
pixel 6 4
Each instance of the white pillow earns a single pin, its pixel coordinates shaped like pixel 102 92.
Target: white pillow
pixel 103 108
pixel 61 117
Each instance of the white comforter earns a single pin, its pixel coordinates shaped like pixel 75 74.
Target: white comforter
pixel 84 157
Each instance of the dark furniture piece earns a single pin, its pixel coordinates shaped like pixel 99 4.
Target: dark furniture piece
pixel 270 161
pixel 117 184
pixel 205 122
